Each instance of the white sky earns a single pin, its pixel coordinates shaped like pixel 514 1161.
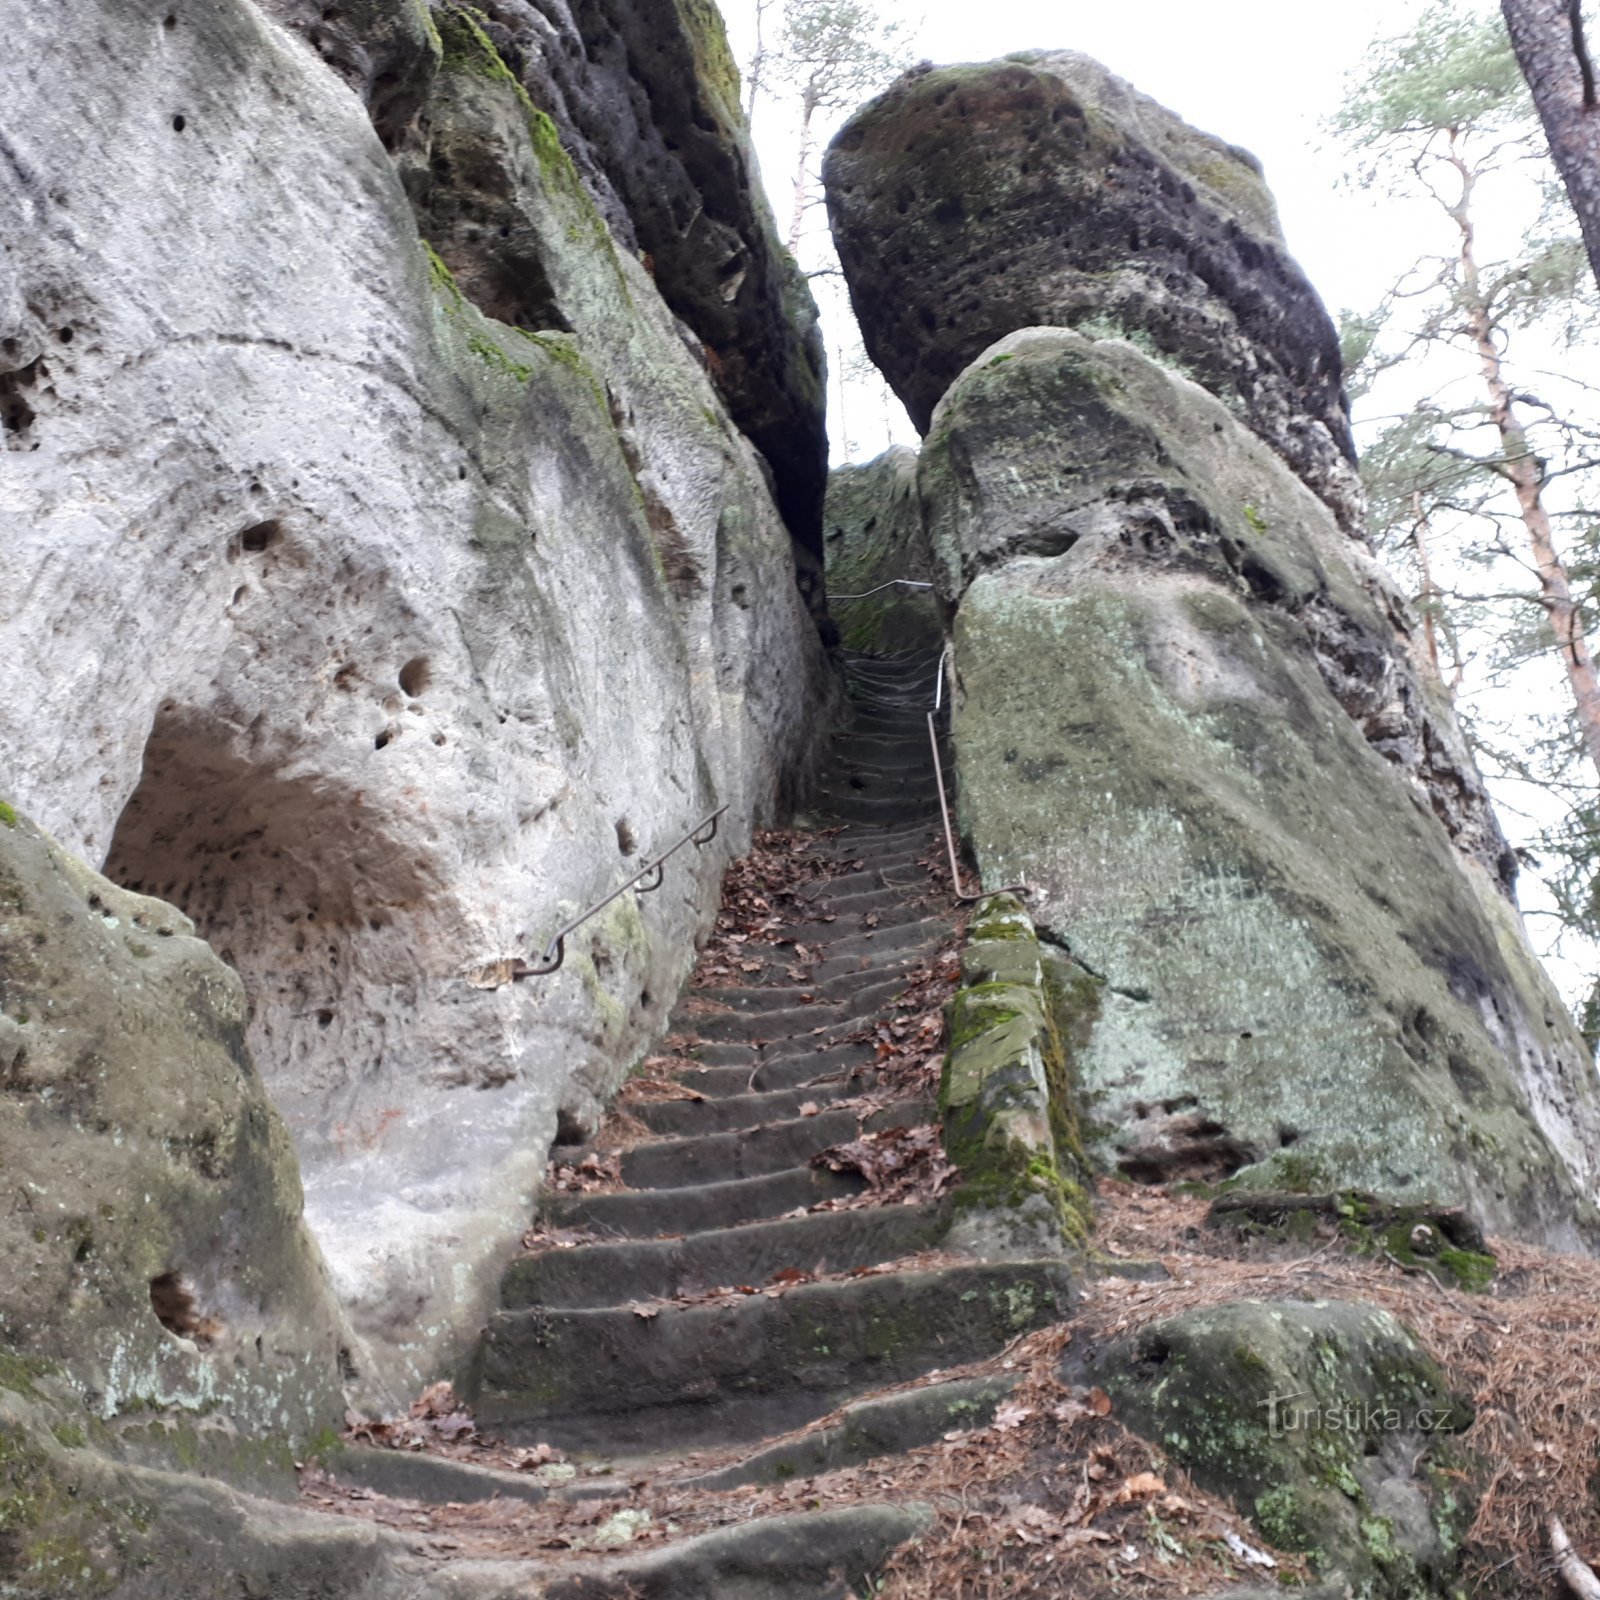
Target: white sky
pixel 1265 74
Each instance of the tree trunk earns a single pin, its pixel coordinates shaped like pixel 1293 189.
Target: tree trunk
pixel 802 171
pixel 1525 473
pixel 758 64
pixel 1554 56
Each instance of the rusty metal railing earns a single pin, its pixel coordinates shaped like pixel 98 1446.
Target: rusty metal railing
pixel 556 951
pixel 944 804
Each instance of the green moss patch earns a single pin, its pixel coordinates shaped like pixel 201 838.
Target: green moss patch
pixel 1442 1242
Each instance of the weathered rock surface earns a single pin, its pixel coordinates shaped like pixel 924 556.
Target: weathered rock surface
pixel 1187 719
pixel 873 536
pixel 645 98
pixel 1324 1422
pixel 377 635
pixel 157 1264
pixel 1040 190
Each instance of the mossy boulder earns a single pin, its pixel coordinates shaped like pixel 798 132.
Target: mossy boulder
pixel 873 536
pixel 971 201
pixel 1446 1245
pixel 1324 1422
pixel 158 1274
pixel 1187 716
pixel 1007 1097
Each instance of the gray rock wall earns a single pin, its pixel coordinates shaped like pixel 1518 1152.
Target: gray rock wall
pixel 379 636
pixel 1186 707
pixel 158 1271
pixel 1303 983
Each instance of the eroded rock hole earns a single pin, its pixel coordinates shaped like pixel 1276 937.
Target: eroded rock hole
pixel 626 842
pixel 275 864
pixel 179 123
pixel 174 1304
pixel 415 676
pixel 259 537
pixel 17 413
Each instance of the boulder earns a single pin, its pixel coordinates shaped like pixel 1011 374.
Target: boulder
pixel 159 1270
pixel 1324 1422
pixel 872 536
pixel 381 637
pixel 970 201
pixel 1187 719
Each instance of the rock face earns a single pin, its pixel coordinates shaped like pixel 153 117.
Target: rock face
pixel 1042 191
pixel 380 636
pixel 1303 981
pixel 645 98
pixel 157 1262
pixel 873 536
pixel 1186 712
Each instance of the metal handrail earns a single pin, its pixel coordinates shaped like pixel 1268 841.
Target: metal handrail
pixel 556 951
pixel 944 805
pixel 907 583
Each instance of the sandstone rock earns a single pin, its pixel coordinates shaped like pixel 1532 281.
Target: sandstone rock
pixel 972 201
pixel 386 50
pixel 1007 1103
pixel 77 1525
pixel 645 96
pixel 1187 718
pixel 381 637
pixel 157 1264
pixel 1324 1422
pixel 872 535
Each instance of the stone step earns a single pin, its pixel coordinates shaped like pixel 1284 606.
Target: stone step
pixel 755 1021
pixel 620 1273
pixel 754 1152
pixel 728 1113
pixel 881 810
pixel 815 1555
pixel 757 1075
pixel 881 1426
pixel 725 1053
pixel 875 843
pixel 854 752
pixel 758 999
pixel 699 1207
pixel 616 1382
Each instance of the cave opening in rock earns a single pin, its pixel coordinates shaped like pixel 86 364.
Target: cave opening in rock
pixel 300 881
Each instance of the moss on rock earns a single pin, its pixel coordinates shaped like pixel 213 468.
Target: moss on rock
pixel 1007 1099
pixel 1324 1422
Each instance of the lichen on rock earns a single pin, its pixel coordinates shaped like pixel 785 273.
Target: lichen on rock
pixel 160 1272
pixel 1241 826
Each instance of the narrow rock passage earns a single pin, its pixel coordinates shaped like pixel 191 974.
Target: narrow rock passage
pixel 721 1289
pixel 610 1346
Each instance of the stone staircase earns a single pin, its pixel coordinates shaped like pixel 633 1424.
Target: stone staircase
pixel 708 1309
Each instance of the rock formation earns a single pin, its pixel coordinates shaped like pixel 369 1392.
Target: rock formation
pixel 1042 191
pixel 1186 711
pixel 880 573
pixel 156 1256
pixel 379 635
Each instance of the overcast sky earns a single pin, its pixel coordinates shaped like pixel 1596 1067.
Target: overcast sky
pixel 1261 73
